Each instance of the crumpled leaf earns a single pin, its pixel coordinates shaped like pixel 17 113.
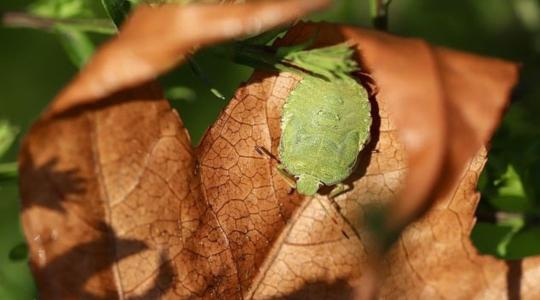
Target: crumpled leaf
pixel 117 204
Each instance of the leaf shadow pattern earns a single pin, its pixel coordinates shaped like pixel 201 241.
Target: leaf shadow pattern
pixel 59 184
pixel 319 290
pixel 79 264
pixel 162 283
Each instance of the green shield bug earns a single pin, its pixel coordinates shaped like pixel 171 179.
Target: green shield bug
pixel 325 124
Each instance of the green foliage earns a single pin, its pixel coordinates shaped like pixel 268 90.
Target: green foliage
pixel 180 93
pixel 77 44
pixel 8 171
pixel 118 10
pixel 7 136
pixel 511 179
pixel 327 62
pixel 507 192
pixel 492 238
pixel 69 20
pixel 62 9
pixel 330 62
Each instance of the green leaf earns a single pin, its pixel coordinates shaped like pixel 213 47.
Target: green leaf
pixel 494 239
pixel 77 44
pixel 118 10
pixel 7 136
pixel 180 93
pixel 8 172
pixel 61 9
pixel 524 243
pixel 508 192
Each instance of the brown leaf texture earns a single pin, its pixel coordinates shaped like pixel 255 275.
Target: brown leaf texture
pixel 117 203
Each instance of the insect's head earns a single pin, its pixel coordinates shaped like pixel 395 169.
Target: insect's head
pixel 307 185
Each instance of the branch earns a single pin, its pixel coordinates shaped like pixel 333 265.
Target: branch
pixel 21 19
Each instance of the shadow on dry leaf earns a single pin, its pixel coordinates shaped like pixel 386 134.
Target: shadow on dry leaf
pixel 52 185
pixel 340 289
pixel 218 221
pixel 95 256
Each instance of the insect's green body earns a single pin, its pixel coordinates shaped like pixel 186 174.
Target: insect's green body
pixel 324 125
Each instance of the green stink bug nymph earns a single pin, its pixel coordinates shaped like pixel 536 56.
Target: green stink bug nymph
pixel 325 123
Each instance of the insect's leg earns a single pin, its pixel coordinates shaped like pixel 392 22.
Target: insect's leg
pixel 291 181
pixel 264 152
pixel 332 217
pixel 338 190
pixel 281 170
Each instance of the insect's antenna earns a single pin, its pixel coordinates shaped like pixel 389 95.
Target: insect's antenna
pixel 332 217
pixel 264 152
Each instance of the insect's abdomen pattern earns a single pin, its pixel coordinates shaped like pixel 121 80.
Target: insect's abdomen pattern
pixel 324 126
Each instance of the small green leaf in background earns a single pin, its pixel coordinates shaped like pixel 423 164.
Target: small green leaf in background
pixel 8 132
pixel 7 136
pixel 61 9
pixel 494 239
pixel 76 43
pixel 508 192
pixel 8 172
pixel 180 93
pixel 524 243
pixel 510 186
pixel 69 20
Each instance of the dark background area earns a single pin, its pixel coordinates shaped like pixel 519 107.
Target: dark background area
pixel 34 67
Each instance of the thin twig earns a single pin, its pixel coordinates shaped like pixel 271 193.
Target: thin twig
pixel 379 14
pixel 21 19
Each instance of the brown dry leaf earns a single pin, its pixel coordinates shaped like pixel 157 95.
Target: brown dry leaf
pixel 117 204
pixel 154 39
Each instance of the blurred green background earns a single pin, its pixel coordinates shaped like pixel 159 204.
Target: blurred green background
pixel 34 67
